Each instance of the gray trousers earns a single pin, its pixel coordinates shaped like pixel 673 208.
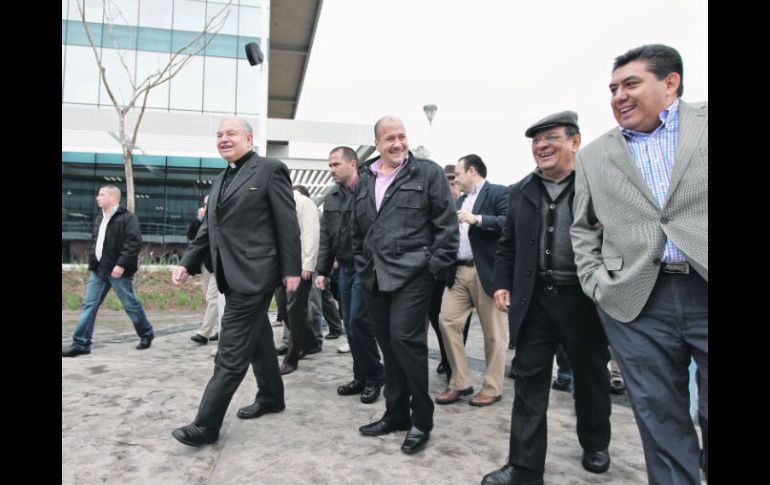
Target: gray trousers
pixel 653 353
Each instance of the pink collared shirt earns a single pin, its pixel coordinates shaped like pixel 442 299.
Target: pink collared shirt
pixel 383 181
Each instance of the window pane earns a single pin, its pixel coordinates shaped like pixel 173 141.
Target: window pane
pixel 156 13
pixel 189 15
pixel 248 88
pixel 122 12
pixel 219 86
pixel 117 77
pixel 81 76
pixel 187 86
pixel 149 63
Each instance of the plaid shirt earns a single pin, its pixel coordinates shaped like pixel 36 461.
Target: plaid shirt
pixel 654 155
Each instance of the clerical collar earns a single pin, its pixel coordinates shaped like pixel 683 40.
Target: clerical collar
pixel 239 163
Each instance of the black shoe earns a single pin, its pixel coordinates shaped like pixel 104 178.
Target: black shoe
pixel 282 350
pixel 352 387
pixel 596 461
pixel 442 368
pixel 332 336
pixel 561 384
pixel 313 350
pixel 507 476
pixel 617 387
pixel 145 343
pixel 214 337
pixel 74 352
pixel 199 339
pixel 192 435
pixel 415 440
pixel 287 368
pixel 382 427
pixel 370 393
pixel 258 409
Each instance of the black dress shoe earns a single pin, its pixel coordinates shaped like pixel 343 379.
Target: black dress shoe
pixel 192 435
pixel 617 387
pixel 214 337
pixel 282 350
pixel 258 409
pixel 332 336
pixel 596 461
pixel 199 339
pixel 442 368
pixel 313 350
pixel 287 368
pixel 370 393
pixel 144 343
pixel 382 427
pixel 352 387
pixel 73 352
pixel 415 440
pixel 507 476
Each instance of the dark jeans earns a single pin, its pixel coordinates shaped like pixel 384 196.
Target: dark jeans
pixel 434 310
pixel 246 338
pixel 360 330
pixel 402 332
pixel 294 309
pixel 564 315
pixel 653 353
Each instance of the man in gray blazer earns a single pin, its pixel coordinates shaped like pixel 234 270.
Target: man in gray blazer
pixel 251 232
pixel 640 237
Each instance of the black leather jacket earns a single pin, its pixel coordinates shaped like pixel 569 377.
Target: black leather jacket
pixel 122 240
pixel 336 225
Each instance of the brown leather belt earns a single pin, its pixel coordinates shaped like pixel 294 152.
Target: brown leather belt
pixel 466 262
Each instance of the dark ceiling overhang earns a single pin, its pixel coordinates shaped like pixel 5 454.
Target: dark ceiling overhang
pixel 292 30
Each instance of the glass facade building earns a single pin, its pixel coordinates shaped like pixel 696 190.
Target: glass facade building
pixel 138 37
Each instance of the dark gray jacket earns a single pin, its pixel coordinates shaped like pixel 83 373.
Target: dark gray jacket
pixel 414 231
pixel 336 225
pixel 122 241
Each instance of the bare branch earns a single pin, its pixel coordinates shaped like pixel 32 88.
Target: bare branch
pixel 121 53
pixel 98 59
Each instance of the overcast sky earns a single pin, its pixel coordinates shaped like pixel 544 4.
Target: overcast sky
pixel 493 67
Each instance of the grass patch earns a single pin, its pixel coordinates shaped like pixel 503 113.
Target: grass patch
pixel 153 289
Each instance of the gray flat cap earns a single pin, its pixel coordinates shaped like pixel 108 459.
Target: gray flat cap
pixel 565 118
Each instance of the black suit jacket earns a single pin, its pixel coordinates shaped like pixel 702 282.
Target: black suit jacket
pixel 516 257
pixel 492 205
pixel 251 233
pixel 414 231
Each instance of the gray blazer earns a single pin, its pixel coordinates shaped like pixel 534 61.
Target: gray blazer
pixel 618 263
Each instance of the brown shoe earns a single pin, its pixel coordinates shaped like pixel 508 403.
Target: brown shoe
pixel 448 396
pixel 484 400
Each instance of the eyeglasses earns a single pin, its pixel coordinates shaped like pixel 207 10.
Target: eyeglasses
pixel 548 139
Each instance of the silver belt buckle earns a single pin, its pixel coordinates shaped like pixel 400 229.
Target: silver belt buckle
pixel 676 268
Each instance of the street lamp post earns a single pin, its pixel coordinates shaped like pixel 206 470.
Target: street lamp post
pixel 430 112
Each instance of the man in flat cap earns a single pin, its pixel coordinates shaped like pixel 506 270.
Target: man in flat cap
pixel 536 283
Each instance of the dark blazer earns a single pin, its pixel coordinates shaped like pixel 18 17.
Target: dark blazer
pixel 122 240
pixel 516 257
pixel 251 233
pixel 414 231
pixel 492 205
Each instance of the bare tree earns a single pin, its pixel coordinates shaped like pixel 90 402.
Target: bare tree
pixel 140 89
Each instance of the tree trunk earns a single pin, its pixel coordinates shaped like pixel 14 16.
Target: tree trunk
pixel 129 178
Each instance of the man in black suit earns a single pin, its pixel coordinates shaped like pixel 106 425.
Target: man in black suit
pixel 481 214
pixel 536 282
pixel 404 238
pixel 251 232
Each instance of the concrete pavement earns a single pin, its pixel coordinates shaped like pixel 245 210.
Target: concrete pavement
pixel 119 406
